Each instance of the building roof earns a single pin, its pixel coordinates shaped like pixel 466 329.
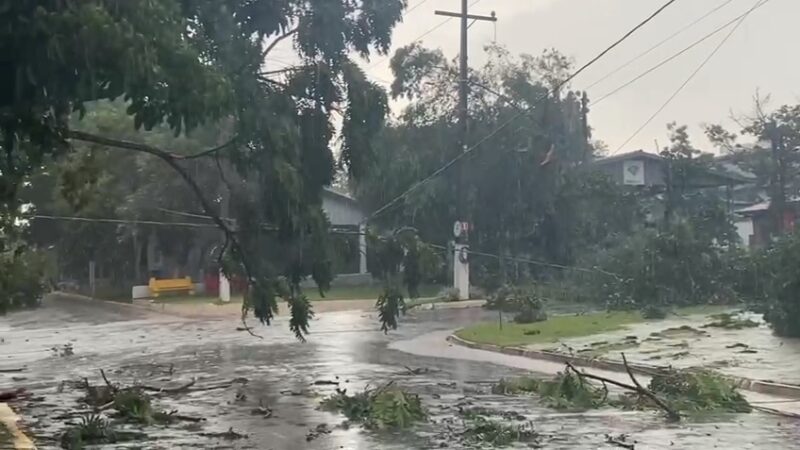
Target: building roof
pixel 722 175
pixel 763 206
pixel 339 193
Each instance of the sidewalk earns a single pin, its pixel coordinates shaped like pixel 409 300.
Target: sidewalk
pixel 233 310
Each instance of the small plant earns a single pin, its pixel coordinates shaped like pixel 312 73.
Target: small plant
pixel 95 430
pixel 654 312
pixel 133 405
pixel 386 407
pixel 481 431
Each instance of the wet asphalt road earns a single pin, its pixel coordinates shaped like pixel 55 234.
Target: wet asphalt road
pixel 279 372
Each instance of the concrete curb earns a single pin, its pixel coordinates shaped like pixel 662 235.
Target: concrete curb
pixel 762 387
pixel 464 304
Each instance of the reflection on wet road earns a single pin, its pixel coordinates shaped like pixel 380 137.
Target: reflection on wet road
pixel 281 373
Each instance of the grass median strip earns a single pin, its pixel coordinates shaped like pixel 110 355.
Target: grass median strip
pixel 561 327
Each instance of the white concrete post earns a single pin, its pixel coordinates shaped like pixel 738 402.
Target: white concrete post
pixel 224 288
pixel 362 248
pixel 461 271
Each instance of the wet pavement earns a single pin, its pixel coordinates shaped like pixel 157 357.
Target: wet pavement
pixel 236 373
pixel 682 342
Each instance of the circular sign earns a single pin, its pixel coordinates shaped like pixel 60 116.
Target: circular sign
pixel 460 228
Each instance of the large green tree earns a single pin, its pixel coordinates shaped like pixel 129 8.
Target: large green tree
pixel 192 63
pixel 527 192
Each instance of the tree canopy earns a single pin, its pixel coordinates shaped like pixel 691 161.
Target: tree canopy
pixel 188 64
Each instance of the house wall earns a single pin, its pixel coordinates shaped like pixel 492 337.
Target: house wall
pixel 744 228
pixel 341 211
pixel 653 171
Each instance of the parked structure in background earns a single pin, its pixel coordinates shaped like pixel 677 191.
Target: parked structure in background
pixel 347 218
pixel 649 172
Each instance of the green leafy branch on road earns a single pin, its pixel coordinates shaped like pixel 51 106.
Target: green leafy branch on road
pixel 387 407
pixel 673 391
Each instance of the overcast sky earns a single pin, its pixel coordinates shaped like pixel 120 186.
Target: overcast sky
pixel 761 54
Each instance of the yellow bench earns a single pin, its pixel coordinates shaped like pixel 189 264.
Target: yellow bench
pixel 172 285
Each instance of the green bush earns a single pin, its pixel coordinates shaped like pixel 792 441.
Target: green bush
pixel 21 279
pixel 782 262
pixel 525 302
pixel 659 269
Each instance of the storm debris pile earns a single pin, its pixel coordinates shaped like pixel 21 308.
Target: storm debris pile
pixel 699 390
pixel 566 391
pixel 673 391
pixel 112 407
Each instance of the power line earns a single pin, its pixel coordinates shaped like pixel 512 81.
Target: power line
pixel 691 76
pixel 122 221
pixel 528 110
pixel 410 10
pixel 659 44
pixel 684 50
pixel 527 261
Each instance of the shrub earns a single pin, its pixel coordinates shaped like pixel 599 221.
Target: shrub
pixel 654 312
pixel 21 279
pixel 782 261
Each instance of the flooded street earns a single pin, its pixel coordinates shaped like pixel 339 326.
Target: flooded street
pixel 236 373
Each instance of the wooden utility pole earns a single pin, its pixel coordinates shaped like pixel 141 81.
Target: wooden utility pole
pixel 461 228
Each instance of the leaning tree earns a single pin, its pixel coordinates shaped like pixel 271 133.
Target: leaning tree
pixel 202 63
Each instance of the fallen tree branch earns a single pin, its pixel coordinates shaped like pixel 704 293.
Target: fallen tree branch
pixel 639 390
pixel 108 383
pixel 13 394
pixel 671 413
pixel 13 370
pixel 165 390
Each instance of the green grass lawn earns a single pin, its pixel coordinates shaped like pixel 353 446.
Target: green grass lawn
pixel 370 292
pixel 561 327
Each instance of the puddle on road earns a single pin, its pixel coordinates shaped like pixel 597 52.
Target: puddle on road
pixel 281 375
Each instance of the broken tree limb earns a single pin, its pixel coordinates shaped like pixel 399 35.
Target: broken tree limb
pixel 166 390
pixel 108 383
pixel 672 414
pixel 13 394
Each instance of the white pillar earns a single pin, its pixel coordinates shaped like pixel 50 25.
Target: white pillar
pixel 362 248
pixel 224 288
pixel 461 271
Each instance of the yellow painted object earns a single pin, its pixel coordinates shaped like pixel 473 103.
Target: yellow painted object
pixel 157 287
pixel 8 419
